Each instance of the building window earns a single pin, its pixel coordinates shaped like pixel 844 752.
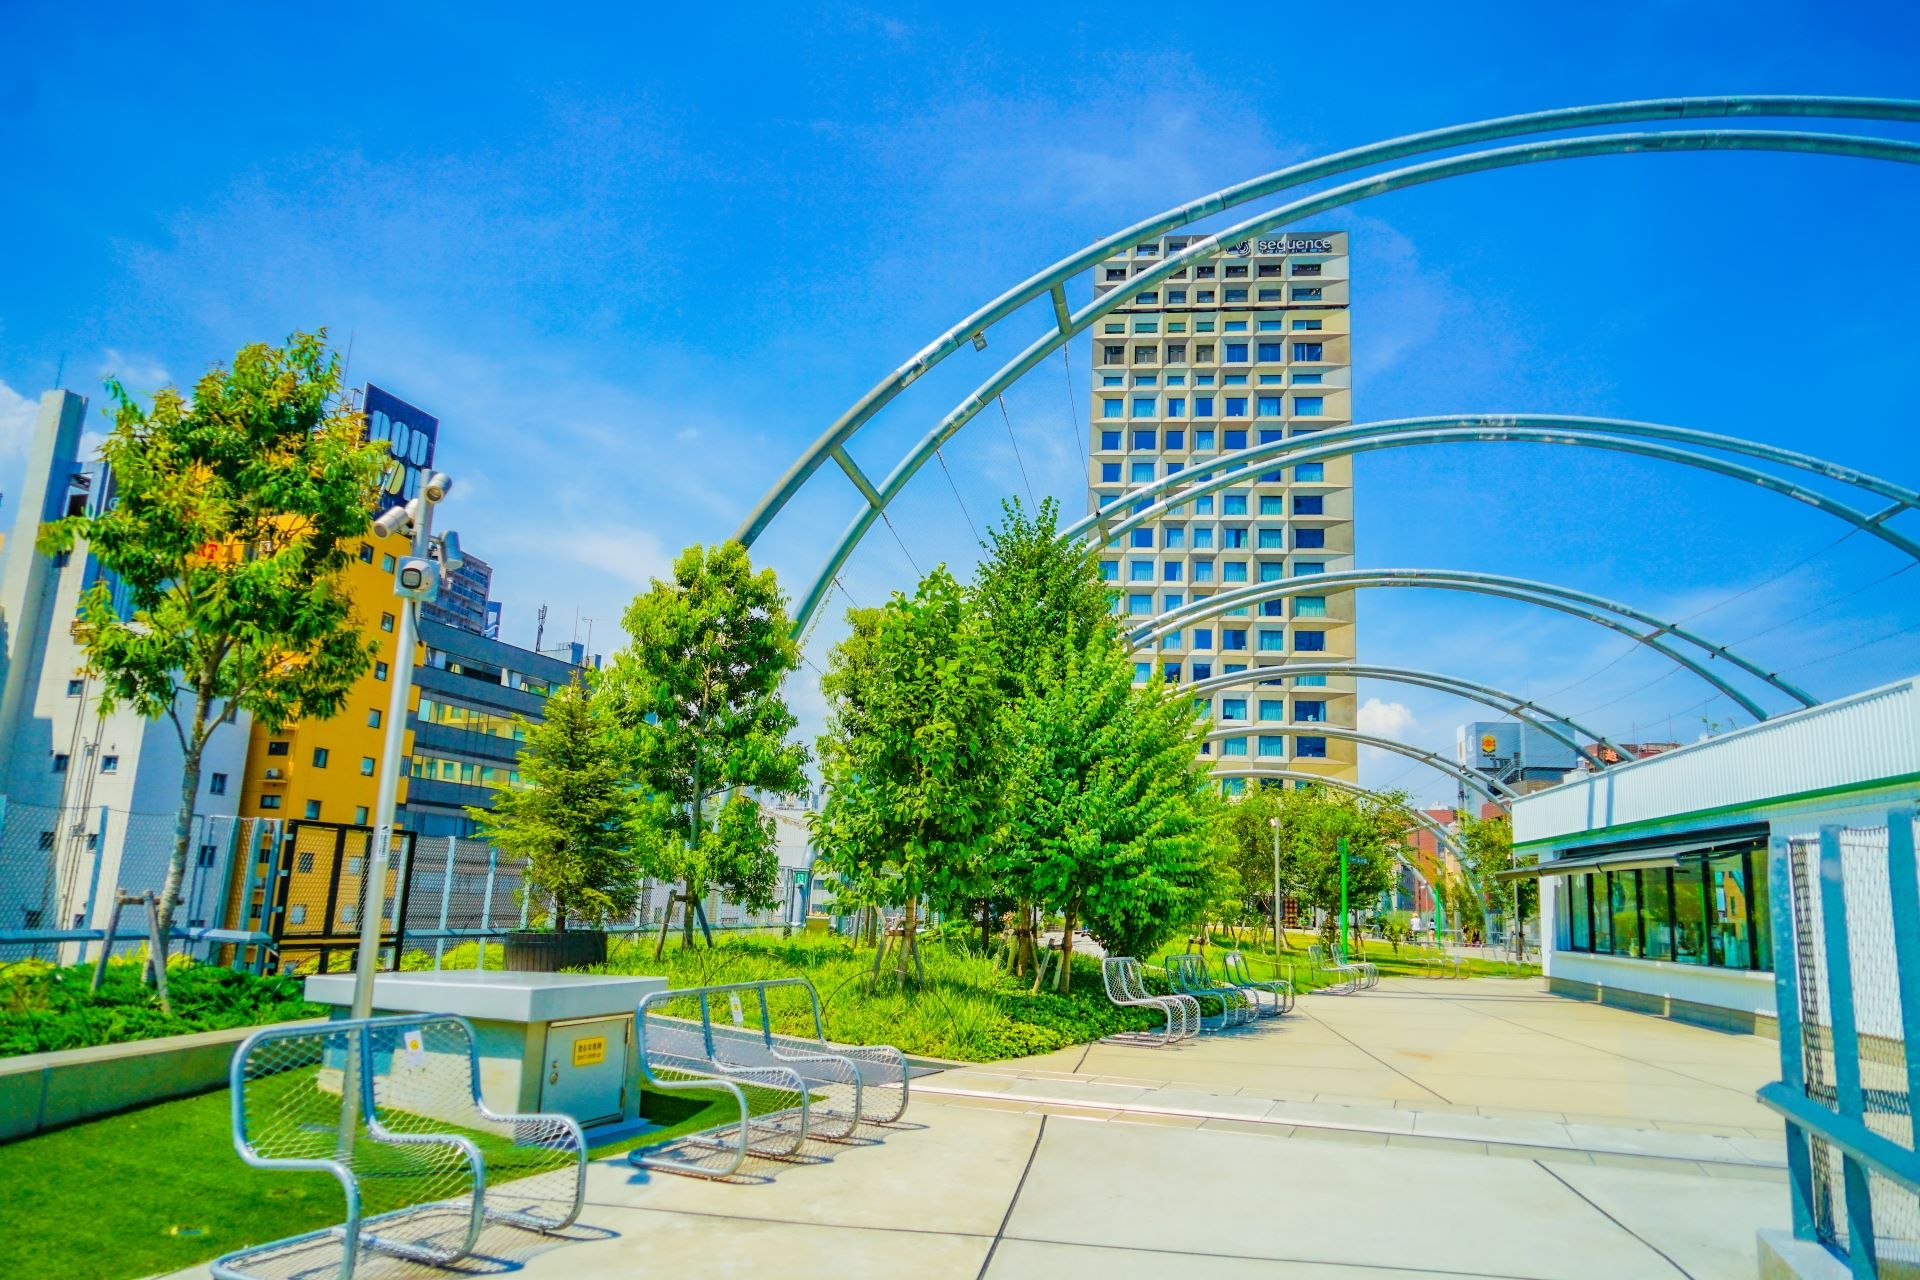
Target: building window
pixel 1310 473
pixel 1109 473
pixel 1309 606
pixel 1310 538
pixel 360 815
pixel 1309 641
pixel 1273 641
pixel 1237 408
pixel 269 802
pixel 1306 324
pixel 76 687
pixel 373 718
pixel 60 762
pixel 1140 571
pixel 1233 746
pixel 109 764
pixel 1110 408
pixel 217 785
pixel 1308 406
pixel 1143 538
pixel 205 855
pixel 388 563
pixel 1113 353
pixel 319 757
pixel 1708 912
pixel 1271 539
pixel 366 766
pixel 1272 746
pixel 366 553
pixel 1140 604
pixel 1309 504
pixel 1109 440
pixel 379 671
pixel 1269 407
pixel 1109 571
pixel 1232 638
pixel 386 622
pixel 279 747
pixel 1309 711
pixel 1236 438
pixel 313 810
pixel 1236 353
pixel 1310 748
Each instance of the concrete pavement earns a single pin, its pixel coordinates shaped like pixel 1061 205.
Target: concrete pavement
pixel 1429 1128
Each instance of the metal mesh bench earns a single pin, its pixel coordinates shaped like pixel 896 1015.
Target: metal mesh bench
pixel 1127 987
pixel 1355 976
pixel 784 1089
pixel 1189 976
pixel 391 1108
pixel 1271 996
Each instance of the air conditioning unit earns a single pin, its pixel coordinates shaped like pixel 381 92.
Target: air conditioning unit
pixel 273 773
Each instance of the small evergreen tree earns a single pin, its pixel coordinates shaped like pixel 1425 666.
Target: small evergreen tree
pixel 569 820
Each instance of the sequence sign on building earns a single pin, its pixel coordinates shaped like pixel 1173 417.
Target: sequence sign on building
pixel 409 434
pixel 1284 244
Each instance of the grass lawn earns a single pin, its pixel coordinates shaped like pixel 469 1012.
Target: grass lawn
pixel 158 1189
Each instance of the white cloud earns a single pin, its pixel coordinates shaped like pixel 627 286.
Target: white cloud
pixel 17 416
pixel 142 375
pixel 1387 719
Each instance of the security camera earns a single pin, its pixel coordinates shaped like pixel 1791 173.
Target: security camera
pixel 416 578
pixel 438 486
pixel 391 521
pixel 450 557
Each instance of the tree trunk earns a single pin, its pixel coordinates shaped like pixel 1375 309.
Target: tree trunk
pixel 907 922
pixel 559 913
pixel 693 852
pixel 986 925
pixel 193 748
pixel 1064 983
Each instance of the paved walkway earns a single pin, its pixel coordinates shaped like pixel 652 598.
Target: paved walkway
pixel 1425 1129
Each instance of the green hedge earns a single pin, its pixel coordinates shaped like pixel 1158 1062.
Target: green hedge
pixel 43 1008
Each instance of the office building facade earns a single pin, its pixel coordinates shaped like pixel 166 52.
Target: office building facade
pixel 463 599
pixel 1246 349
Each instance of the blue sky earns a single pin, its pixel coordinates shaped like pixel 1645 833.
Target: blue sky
pixel 637 261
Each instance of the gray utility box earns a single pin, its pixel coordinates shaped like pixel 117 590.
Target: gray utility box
pixel 547 1041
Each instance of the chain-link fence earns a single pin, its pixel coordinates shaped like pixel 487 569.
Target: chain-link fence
pixel 462 891
pixel 67 875
pixel 1846 910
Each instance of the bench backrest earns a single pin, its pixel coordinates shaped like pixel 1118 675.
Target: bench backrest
pixel 705 1020
pixel 291 1085
pixel 1234 965
pixel 1188 972
pixel 1123 980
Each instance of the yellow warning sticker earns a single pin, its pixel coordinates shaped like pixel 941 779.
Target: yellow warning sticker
pixel 589 1051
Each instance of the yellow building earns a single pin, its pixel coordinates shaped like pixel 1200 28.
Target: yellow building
pixel 1231 353
pixel 327 770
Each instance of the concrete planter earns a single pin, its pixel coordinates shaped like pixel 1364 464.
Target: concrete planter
pixel 40 1091
pixel 528 951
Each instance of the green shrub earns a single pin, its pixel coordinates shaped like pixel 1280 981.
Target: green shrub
pixel 43 1008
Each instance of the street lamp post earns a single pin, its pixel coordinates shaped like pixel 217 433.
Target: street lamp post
pixel 416 580
pixel 1275 824
pixel 1341 845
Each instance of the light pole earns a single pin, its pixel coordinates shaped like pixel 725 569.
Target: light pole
pixel 416 580
pixel 1274 822
pixel 1341 845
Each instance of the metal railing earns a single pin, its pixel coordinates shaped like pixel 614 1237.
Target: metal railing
pixel 1845 914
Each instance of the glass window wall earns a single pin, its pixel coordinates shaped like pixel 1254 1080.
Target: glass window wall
pixel 1710 911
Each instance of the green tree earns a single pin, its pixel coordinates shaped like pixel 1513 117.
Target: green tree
pixel 1111 807
pixel 912 754
pixel 1245 837
pixel 227 532
pixel 1314 820
pixel 1041 601
pixel 697 692
pixel 569 820
pixel 1486 848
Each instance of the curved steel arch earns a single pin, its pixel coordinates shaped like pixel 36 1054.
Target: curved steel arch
pixel 1493 789
pixel 1229 469
pixel 1564 599
pixel 1053 279
pixel 1442 837
pixel 1548 722
pixel 879 496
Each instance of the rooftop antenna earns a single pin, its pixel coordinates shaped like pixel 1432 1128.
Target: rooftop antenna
pixel 60 371
pixel 540 628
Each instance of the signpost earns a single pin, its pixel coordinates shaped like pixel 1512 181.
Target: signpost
pixel 1341 845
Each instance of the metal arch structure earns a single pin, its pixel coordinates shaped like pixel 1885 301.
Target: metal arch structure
pixel 1070 323
pixel 1617 435
pixel 1497 792
pixel 1608 613
pixel 1442 837
pixel 1524 709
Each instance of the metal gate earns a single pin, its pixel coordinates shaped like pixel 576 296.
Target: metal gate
pixel 320 891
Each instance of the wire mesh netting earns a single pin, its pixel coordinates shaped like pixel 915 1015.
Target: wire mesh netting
pixel 1879 1026
pixel 63 869
pixel 410 1150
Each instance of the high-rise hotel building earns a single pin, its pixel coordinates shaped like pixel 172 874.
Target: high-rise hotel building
pixel 1244 349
